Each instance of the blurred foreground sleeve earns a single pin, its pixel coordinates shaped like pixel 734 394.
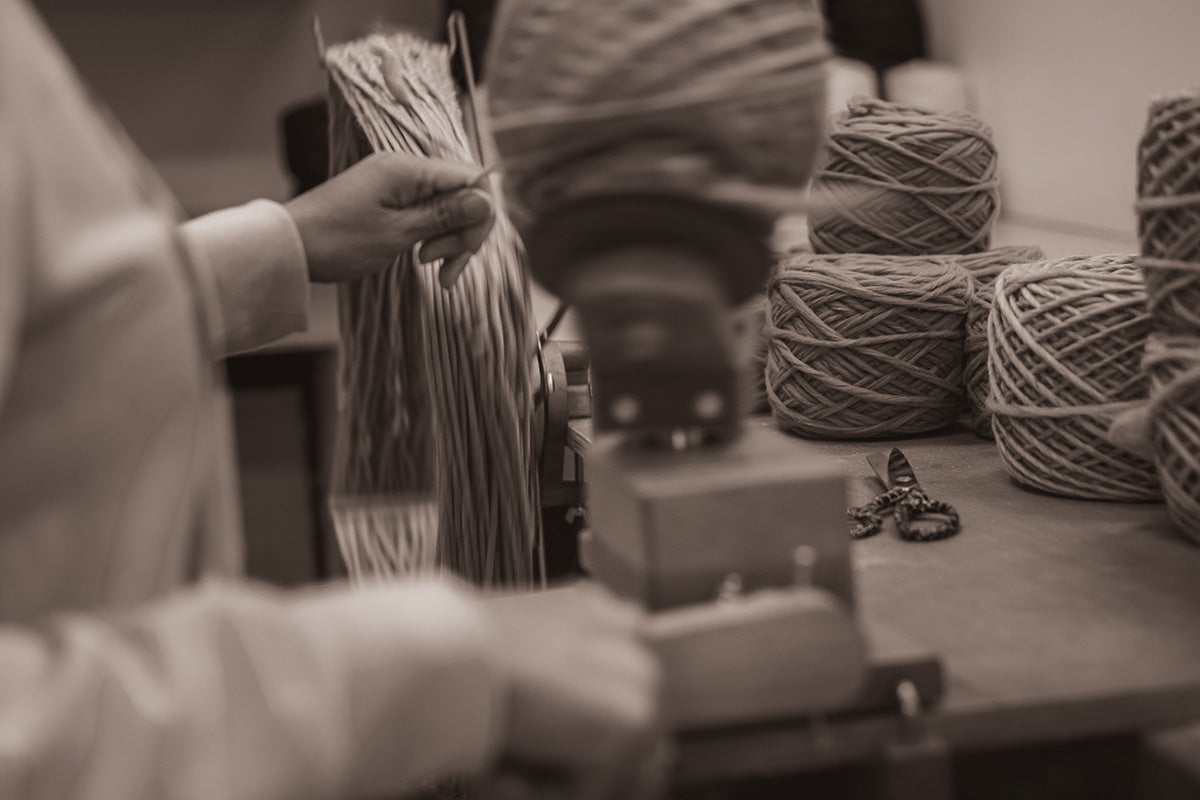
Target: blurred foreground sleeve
pixel 257 264
pixel 242 693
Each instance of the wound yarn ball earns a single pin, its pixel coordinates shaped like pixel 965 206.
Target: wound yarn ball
pixel 896 180
pixel 863 346
pixel 645 96
pixel 984 268
pixel 1169 236
pixel 1169 212
pixel 1172 363
pixel 1066 340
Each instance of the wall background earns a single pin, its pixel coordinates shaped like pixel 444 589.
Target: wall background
pixel 200 85
pixel 1065 85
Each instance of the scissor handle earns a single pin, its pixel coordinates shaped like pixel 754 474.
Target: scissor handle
pixel 868 518
pixel 914 505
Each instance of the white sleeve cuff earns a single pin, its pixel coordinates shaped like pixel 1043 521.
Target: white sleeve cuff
pixel 259 270
pixel 429 691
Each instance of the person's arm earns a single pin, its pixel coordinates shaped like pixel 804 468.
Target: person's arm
pixel 242 693
pixel 261 256
pixel 258 269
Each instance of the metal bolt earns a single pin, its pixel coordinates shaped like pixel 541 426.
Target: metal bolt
pixel 804 560
pixel 708 405
pixel 626 409
pixel 732 587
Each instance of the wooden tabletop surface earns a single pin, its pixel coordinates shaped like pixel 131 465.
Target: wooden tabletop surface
pixel 1055 618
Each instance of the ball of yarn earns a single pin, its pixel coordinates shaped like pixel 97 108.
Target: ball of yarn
pixel 897 180
pixel 1169 212
pixel 864 346
pixel 1066 341
pixel 1173 365
pixel 984 268
pixel 641 95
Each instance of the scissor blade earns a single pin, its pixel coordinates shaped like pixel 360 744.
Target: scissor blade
pixel 881 463
pixel 900 471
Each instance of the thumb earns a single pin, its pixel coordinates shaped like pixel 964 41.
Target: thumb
pixel 445 213
pixel 404 179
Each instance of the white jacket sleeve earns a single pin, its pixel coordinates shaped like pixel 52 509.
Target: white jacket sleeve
pixel 229 691
pixel 255 261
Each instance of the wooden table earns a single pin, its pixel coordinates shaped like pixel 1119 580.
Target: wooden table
pixel 1057 619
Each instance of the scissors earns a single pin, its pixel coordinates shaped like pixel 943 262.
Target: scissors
pixel 907 500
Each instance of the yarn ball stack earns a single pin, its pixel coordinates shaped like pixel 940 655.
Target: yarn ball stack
pixel 1066 344
pixel 984 268
pixel 866 346
pixel 897 180
pixel 1169 233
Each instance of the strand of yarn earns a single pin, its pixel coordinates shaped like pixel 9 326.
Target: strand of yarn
pixel 984 268
pixel 896 180
pixel 1066 339
pixel 637 95
pixel 864 346
pixel 1169 212
pixel 437 403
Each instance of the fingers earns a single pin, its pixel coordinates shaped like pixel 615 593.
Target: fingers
pixel 641 772
pixel 464 240
pixel 468 211
pixel 405 180
pixel 456 248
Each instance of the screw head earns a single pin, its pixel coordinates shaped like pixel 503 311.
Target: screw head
pixel 708 405
pixel 625 409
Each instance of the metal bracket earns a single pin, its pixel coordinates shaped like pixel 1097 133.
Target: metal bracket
pixel 917 766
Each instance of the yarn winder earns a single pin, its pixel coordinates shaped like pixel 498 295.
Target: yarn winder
pixel 731 532
pixel 686 500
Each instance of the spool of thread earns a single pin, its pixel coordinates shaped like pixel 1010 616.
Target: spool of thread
pixel 864 346
pixel 1169 212
pixel 1066 341
pixel 1173 365
pixel 640 95
pixel 931 85
pixel 848 79
pixel 984 268
pixel 896 180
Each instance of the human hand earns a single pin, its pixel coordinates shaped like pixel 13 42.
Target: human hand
pixel 358 221
pixel 583 714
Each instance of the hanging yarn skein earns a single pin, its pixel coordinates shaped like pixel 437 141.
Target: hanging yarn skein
pixel 1169 233
pixel 864 346
pixel 435 464
pixel 896 180
pixel 984 268
pixel 641 95
pixel 1066 339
